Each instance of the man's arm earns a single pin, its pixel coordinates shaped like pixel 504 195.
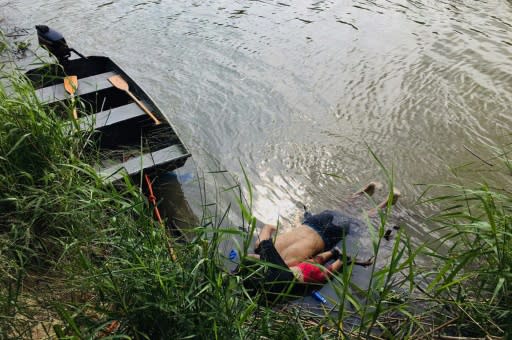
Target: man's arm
pixel 265 234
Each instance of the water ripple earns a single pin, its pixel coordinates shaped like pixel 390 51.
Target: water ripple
pixel 298 91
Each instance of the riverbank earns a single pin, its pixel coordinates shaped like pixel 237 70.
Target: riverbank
pixel 80 258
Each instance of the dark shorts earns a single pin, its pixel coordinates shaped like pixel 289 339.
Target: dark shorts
pixel 275 279
pixel 331 225
pixel 277 272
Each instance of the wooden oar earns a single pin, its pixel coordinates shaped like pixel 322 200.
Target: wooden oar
pixel 122 85
pixel 71 85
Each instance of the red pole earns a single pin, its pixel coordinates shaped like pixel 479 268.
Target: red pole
pixel 152 199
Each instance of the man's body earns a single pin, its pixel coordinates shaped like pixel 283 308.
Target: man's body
pixel 289 258
pixel 296 245
pixel 318 233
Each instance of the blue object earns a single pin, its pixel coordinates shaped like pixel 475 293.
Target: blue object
pixel 319 297
pixel 182 178
pixel 233 254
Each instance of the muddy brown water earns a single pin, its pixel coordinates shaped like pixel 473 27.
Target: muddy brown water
pixel 298 92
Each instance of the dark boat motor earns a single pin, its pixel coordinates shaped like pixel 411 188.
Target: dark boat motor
pixel 54 42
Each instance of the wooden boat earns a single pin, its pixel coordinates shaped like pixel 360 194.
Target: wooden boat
pixel 130 141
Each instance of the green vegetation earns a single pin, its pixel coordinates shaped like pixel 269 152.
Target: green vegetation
pixel 473 280
pixel 82 259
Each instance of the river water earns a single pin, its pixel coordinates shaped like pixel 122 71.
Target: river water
pixel 298 92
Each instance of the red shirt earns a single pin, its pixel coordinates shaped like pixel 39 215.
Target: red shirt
pixel 311 272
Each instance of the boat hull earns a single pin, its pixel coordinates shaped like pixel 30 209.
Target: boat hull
pixel 129 142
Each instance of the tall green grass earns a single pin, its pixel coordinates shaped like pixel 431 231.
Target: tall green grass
pixel 473 276
pixel 153 297
pixel 53 208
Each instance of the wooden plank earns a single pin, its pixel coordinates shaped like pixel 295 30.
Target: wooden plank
pixel 144 162
pixel 57 92
pixel 110 117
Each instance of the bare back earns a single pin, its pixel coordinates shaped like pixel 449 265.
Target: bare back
pixel 298 244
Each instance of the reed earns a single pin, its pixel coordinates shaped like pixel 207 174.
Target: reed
pixel 474 258
pixel 53 207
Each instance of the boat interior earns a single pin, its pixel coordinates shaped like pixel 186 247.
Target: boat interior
pixel 128 140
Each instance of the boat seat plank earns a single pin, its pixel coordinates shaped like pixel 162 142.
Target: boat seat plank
pixel 150 160
pixel 110 117
pixel 86 85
